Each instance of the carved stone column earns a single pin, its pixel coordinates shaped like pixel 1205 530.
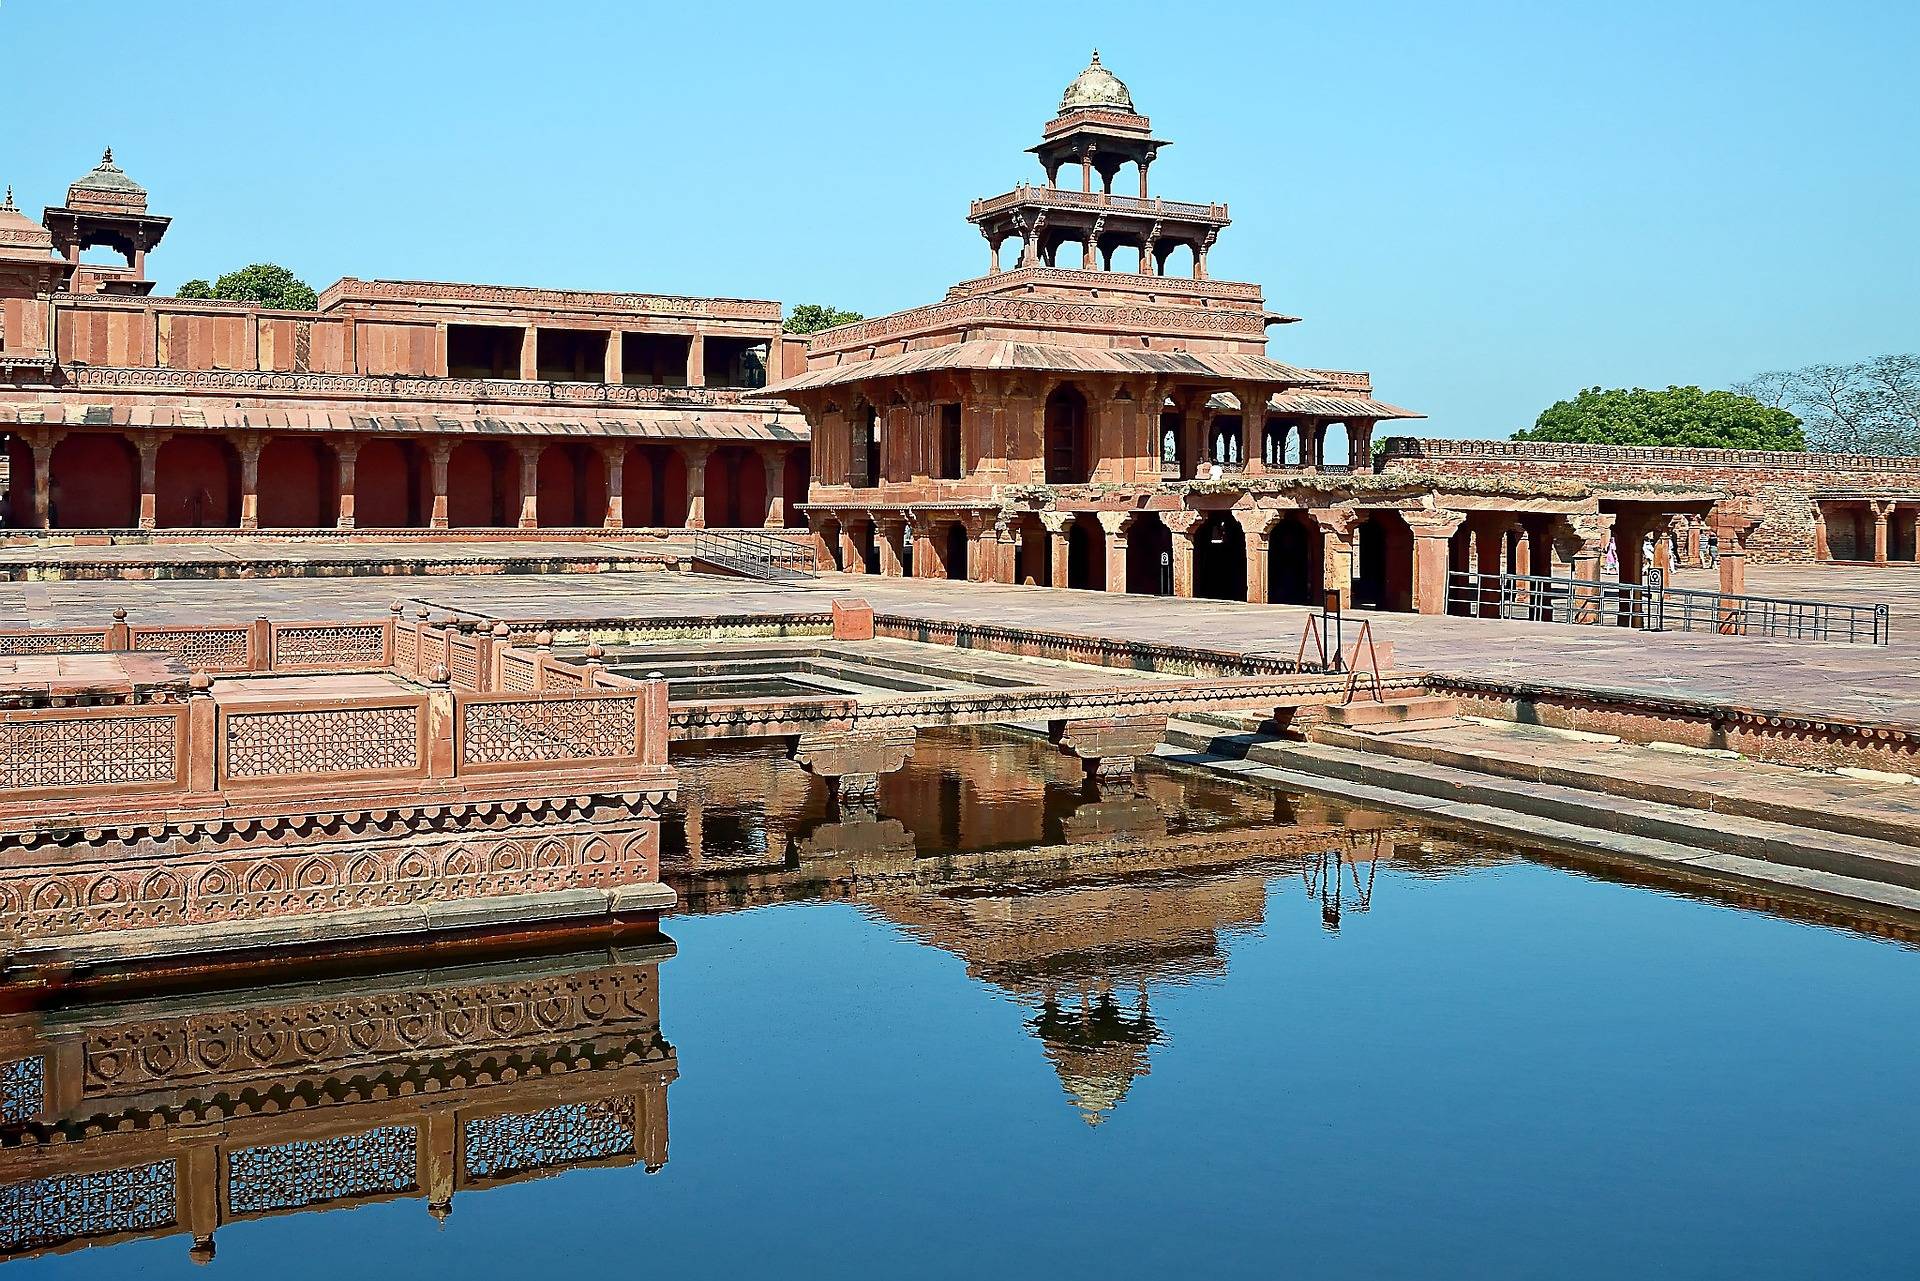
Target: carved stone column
pixel 773 461
pixel 1259 526
pixel 529 354
pixel 614 463
pixel 1882 512
pixel 888 532
pixel 529 452
pixel 1059 527
pixel 696 456
pixel 347 452
pixel 853 548
pixel 249 447
pixel 925 562
pixel 1253 429
pixel 1522 547
pixel 1183 525
pixel 1115 524
pixel 41 443
pixel 1336 551
pixel 1579 543
pixel 1732 522
pixel 148 448
pixel 437 455
pixel 1431 531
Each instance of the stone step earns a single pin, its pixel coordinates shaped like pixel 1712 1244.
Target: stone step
pixel 1783 844
pixel 1687 860
pixel 1394 711
pixel 1680 790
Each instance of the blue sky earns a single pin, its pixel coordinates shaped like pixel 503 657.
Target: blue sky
pixel 1487 205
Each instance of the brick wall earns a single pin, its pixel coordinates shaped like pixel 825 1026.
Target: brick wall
pixel 1781 482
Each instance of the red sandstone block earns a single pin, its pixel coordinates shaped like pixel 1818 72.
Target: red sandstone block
pixel 852 620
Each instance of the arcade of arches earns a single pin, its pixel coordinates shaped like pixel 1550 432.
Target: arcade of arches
pixel 1379 557
pixel 108 480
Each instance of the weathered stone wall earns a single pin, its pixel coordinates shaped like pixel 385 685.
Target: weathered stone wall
pixel 1782 482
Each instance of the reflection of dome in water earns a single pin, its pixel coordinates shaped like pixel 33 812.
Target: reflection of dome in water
pixel 1097 1049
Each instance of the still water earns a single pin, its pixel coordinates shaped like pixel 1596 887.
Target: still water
pixel 998 1025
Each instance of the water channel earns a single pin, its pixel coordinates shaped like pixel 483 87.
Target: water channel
pixel 999 1024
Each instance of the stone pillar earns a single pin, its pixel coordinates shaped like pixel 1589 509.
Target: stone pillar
pixel 1579 543
pixel 1490 562
pixel 887 534
pixel 1183 525
pixel 248 447
pixel 347 452
pixel 1259 529
pixel 1431 531
pixel 1822 550
pixel 697 361
pixel 615 465
pixel 1336 552
pixel 529 354
pixel 1732 522
pixel 1523 564
pixel 1058 525
pixel 1115 526
pixel 1881 514
pixel 696 457
pixel 437 455
pixel 42 446
pixel 616 369
pixel 529 452
pixel 925 562
pixel 148 449
pixel 1360 445
pixel 774 463
pixel 853 549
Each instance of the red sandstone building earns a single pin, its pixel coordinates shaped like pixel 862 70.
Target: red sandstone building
pixel 1114 424
pixel 392 405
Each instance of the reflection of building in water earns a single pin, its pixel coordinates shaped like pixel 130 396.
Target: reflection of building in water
pixel 180 1114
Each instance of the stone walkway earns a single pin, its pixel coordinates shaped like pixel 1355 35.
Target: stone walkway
pixel 1857 680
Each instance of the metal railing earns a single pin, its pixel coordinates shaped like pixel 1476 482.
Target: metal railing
pixel 752 553
pixel 1655 606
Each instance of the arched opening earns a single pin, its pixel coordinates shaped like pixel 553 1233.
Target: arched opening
pixel 1383 577
pixel 1120 253
pixel 1086 554
pixel 1009 252
pixel 1295 562
pixel 1149 556
pixel 299 484
pixel 572 486
pixel 19 496
pixel 483 485
pixel 1225 441
pixel 1066 436
pixel 386 485
pixel 1335 445
pixel 736 489
pixel 794 478
pixel 1035 557
pixel 639 504
pixel 1176 258
pixel 1172 453
pixel 1274 443
pixel 1296 444
pixel 197 484
pixel 672 472
pixel 1220 558
pixel 956 552
pixel 94 483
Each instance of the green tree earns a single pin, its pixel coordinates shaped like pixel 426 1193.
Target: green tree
pixel 812 317
pixel 1683 417
pixel 264 282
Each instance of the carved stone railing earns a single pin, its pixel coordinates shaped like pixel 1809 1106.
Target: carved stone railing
pixel 422 388
pixel 1411 449
pixel 1099 202
pixel 350 289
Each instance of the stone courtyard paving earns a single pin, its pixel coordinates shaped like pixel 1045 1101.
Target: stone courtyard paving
pixel 1854 680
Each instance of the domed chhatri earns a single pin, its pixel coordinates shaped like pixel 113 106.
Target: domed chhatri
pixel 107 176
pixel 1096 87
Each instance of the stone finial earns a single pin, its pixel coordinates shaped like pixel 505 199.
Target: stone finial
pixel 119 615
pixel 398 607
pixel 501 631
pixel 596 651
pixel 9 201
pixel 439 675
pixel 106 157
pixel 199 682
pixel 544 639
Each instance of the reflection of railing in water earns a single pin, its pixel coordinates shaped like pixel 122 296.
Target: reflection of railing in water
pixel 1656 606
pixel 169 1116
pixel 1321 873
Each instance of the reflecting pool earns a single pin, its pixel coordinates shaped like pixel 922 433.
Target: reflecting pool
pixel 998 1024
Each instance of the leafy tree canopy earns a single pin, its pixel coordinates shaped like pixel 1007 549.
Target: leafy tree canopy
pixel 1683 417
pixel 264 282
pixel 812 317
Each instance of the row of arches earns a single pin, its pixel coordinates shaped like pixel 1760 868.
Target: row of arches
pixel 94 481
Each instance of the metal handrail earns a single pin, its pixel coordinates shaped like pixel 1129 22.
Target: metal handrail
pixel 753 553
pixel 1655 606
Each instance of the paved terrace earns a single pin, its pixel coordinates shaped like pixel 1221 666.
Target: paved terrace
pixel 1854 680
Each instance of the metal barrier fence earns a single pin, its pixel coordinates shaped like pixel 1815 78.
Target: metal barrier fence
pixel 754 554
pixel 1655 606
